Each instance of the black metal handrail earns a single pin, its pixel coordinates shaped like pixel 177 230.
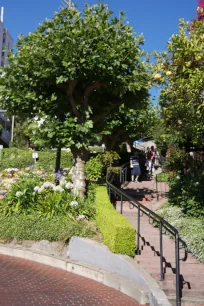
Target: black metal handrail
pixel 123 172
pixel 162 224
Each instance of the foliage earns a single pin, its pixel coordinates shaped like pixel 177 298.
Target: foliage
pixel 73 71
pixel 182 97
pixel 176 158
pixel 130 123
pixel 94 169
pixel 162 177
pixel 187 192
pixel 190 229
pixel 69 63
pixel 32 194
pixel 17 158
pixel 21 199
pixel 34 228
pixel 117 233
pixel 108 158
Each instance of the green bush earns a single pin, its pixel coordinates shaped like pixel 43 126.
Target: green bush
pixel 16 158
pixel 34 228
pixel 187 192
pixel 31 194
pixel 117 233
pixel 163 177
pixel 191 229
pixel 108 158
pixel 94 169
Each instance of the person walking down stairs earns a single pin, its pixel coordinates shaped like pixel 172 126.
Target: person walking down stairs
pixel 135 168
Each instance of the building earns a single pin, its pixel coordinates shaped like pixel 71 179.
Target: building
pixel 6 41
pixel 6 44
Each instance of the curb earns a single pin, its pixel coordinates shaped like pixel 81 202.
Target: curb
pixel 105 277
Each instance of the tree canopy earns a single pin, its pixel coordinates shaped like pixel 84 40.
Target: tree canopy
pixel 182 77
pixel 76 69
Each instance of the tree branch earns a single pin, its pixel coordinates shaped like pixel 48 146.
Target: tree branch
pixel 94 85
pixel 72 84
pixel 107 112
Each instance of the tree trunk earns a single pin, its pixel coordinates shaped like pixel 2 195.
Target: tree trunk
pixel 128 146
pixel 58 161
pixel 78 174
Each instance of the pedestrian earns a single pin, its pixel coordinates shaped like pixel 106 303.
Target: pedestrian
pixel 148 160
pixel 153 159
pixel 135 168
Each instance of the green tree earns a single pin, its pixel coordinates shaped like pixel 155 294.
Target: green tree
pixel 130 124
pixel 76 69
pixel 182 96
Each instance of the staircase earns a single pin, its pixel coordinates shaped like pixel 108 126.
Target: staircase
pixel 191 271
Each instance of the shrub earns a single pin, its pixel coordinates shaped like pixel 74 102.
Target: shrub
pixel 34 228
pixel 108 158
pixel 16 158
pixel 187 192
pixel 163 177
pixel 94 169
pixel 32 194
pixel 117 233
pixel 191 229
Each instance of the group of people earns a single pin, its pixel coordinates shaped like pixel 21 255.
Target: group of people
pixel 144 163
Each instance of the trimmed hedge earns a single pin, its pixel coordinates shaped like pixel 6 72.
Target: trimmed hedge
pixel 117 233
pixel 16 158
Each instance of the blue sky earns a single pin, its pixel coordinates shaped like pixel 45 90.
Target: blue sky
pixel 157 19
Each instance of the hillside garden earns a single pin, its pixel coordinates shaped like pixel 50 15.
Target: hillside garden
pixel 80 80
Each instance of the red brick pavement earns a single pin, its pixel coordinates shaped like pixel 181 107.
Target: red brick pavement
pixel 24 282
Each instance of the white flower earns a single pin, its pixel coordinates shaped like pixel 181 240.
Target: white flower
pixel 36 189
pixel 48 185
pixel 63 181
pixel 58 188
pixel 11 170
pixel 81 217
pixel 196 184
pixel 74 204
pixel 41 189
pixel 178 177
pixel 19 194
pixel 69 186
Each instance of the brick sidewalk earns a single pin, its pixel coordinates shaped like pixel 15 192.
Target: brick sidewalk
pixel 29 283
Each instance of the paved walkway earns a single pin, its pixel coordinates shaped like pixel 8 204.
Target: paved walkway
pixel 29 283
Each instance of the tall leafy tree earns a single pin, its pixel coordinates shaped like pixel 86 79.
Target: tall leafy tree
pixel 76 69
pixel 182 74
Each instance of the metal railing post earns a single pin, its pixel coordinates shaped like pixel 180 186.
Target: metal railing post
pixel 157 189
pixel 121 204
pixel 161 252
pixel 109 192
pixel 138 231
pixel 120 176
pixel 178 285
pixel 126 175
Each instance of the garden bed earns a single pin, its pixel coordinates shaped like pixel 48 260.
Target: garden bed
pixel 191 229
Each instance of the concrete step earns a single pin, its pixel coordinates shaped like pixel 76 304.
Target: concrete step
pixel 186 293
pixel 156 259
pixel 186 285
pixel 185 301
pixel 185 273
